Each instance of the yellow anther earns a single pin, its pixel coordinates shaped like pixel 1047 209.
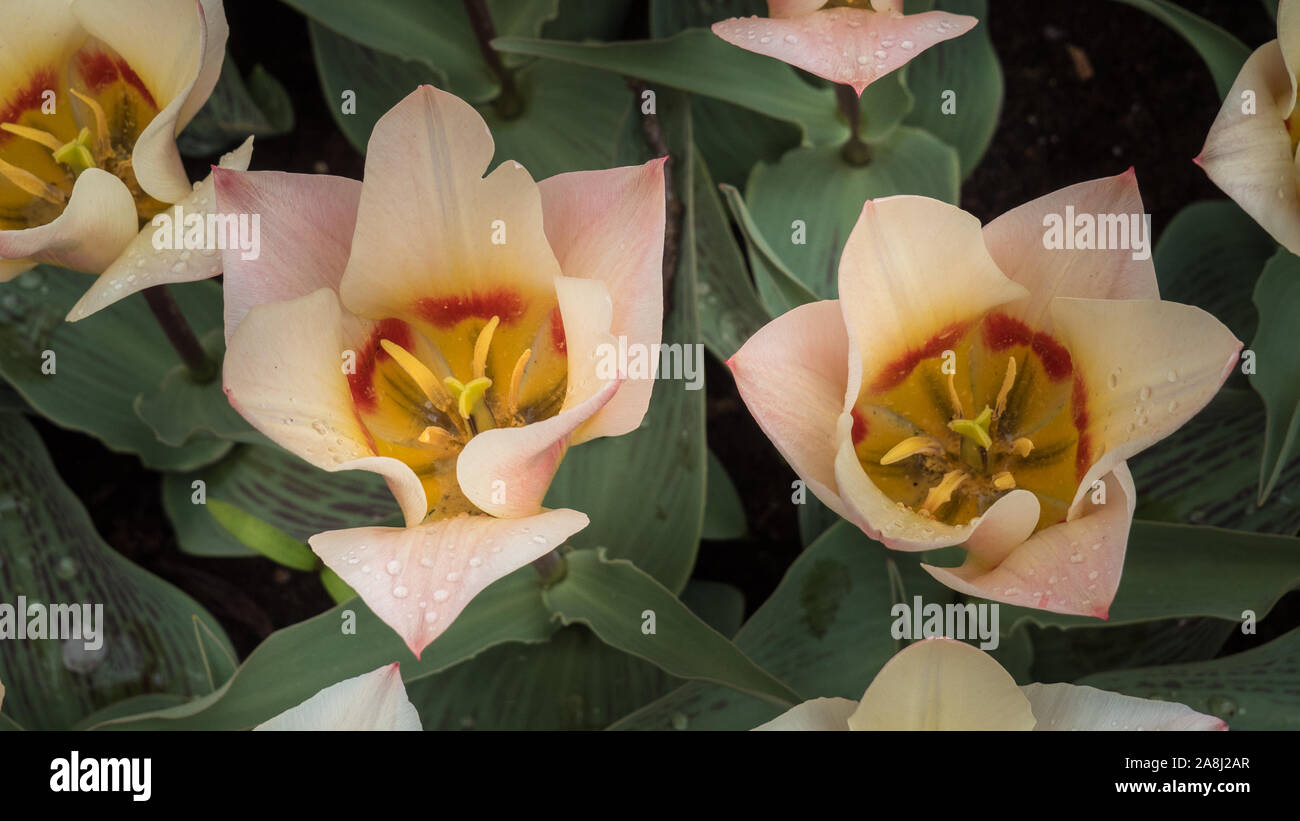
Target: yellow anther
pixel 516 379
pixel 1007 382
pixel 481 346
pixel 467 394
pixel 32 184
pixel 76 154
pixel 1022 446
pixel 910 446
pixel 957 411
pixel 434 435
pixel 45 138
pixel 419 373
pixel 1004 480
pixel 102 141
pixel 940 494
pixel 977 429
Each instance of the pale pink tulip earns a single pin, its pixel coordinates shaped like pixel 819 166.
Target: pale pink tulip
pixel 941 684
pixel 373 701
pixel 441 328
pixel 854 42
pixel 974 387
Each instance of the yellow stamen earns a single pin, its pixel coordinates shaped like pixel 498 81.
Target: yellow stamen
pixel 102 141
pixel 957 411
pixel 1022 447
pixel 1007 382
pixel 434 435
pixel 45 138
pixel 481 346
pixel 940 494
pixel 32 184
pixel 977 429
pixel 910 446
pixel 1004 480
pixel 467 394
pixel 76 153
pixel 419 373
pixel 516 379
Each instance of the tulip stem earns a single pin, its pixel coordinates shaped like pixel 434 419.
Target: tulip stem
pixel 552 567
pixel 855 151
pixel 509 104
pixel 179 333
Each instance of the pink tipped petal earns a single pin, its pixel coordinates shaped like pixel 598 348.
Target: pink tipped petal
pixel 609 225
pixel 792 375
pixel 507 471
pixel 98 223
pixel 941 684
pixel 1248 152
pixel 818 715
pixel 374 701
pixel 845 45
pixel 1147 366
pixel 429 223
pixel 176 47
pixel 306 222
pixel 1072 707
pixel 793 8
pixel 1016 242
pixel 143 264
pixel 1072 567
pixel 419 579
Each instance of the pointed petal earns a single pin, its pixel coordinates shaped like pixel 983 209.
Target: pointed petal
pixel 1248 153
pixel 1147 367
pixel 97 225
pixel 429 225
pixel 1072 707
pixel 144 265
pixel 609 225
pixel 374 701
pixel 418 579
pixel 845 45
pixel 507 471
pixel 792 376
pixel 1015 240
pixel 818 714
pixel 306 222
pixel 176 47
pixel 1073 567
pixel 941 684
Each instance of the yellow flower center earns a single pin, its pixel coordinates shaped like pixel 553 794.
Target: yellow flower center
pixel 977 411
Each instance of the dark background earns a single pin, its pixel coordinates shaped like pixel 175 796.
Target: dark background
pixel 1092 88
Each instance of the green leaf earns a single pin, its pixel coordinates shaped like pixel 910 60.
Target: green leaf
pixel 816 186
pixel 155 638
pixel 263 538
pixel 699 62
pixel 1181 571
pixel 338 589
pixel 1069 654
pixel 720 605
pixel 815 518
pixel 668 17
pixel 1210 256
pixel 1255 690
pixel 236 110
pixel 182 409
pixel 621 604
pixel 779 289
pixel 1223 54
pixel 732 139
pixel 826 631
pixel 572 682
pixel 297 662
pixel 102 363
pixel 967 66
pixel 1222 442
pixel 1277 365
pixel 1270 6
pixel 724 513
pixel 197 533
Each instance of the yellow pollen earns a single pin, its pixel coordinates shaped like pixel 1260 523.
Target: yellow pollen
pixel 1022 447
pixel 940 494
pixel 102 141
pixel 419 373
pixel 1007 382
pixel 481 346
pixel 910 446
pixel 467 394
pixel 957 411
pixel 1004 480
pixel 516 379
pixel 977 429
pixel 32 184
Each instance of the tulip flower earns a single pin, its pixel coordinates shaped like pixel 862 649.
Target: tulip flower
pixel 984 388
pixel 374 701
pixel 441 328
pixel 92 96
pixel 1250 152
pixel 941 684
pixel 854 42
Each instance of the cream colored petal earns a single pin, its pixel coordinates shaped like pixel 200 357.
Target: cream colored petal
pixel 375 701
pixel 97 225
pixel 1072 707
pixel 818 714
